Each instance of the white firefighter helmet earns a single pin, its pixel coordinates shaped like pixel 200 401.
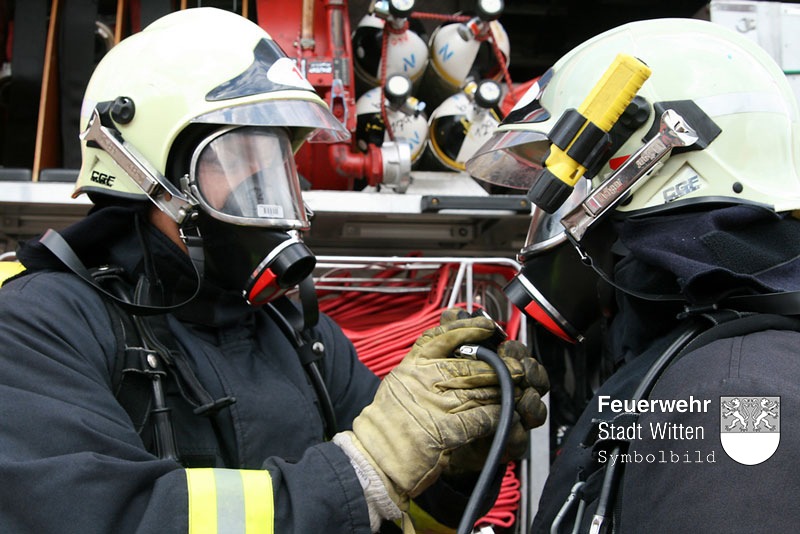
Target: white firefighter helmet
pixel 751 153
pixel 199 66
pixel 755 158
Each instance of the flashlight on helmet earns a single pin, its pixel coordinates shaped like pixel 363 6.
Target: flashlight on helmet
pixel 580 137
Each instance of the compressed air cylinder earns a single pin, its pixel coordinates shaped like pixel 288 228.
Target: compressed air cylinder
pixel 463 122
pixel 406 49
pixel 462 51
pixel 405 114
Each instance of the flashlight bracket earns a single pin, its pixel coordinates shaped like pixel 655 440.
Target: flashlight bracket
pixel 585 146
pixel 674 132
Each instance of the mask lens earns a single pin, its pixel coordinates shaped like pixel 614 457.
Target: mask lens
pixel 248 176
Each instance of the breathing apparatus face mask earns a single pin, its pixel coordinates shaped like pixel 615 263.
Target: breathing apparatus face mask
pixel 555 286
pixel 251 212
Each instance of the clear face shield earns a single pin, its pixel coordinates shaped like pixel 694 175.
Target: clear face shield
pixel 247 186
pixel 247 176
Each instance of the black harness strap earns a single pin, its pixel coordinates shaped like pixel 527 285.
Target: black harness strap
pixel 299 328
pixel 148 354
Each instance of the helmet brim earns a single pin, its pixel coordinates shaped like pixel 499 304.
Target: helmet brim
pixel 310 117
pixel 510 158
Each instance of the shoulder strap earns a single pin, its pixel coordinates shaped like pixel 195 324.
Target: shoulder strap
pixel 298 326
pixel 739 326
pixel 136 369
pixel 147 355
pixel 130 385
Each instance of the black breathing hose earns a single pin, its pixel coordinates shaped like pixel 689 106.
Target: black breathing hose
pixel 492 463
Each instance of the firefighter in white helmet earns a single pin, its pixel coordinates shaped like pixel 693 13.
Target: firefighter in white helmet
pixel 669 274
pixel 156 378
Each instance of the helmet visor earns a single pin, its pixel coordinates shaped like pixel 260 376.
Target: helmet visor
pixel 247 176
pixel 514 155
pixel 313 117
pixel 510 158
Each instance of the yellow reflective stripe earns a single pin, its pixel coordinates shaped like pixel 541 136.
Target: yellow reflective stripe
pixel 202 501
pixel 9 269
pixel 230 501
pixel 258 501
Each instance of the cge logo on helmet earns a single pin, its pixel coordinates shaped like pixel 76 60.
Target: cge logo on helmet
pixel 103 178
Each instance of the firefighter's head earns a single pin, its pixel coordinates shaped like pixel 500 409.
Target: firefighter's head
pixel 723 85
pixel 201 113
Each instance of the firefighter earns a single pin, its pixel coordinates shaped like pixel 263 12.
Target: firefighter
pixel 155 376
pixel 670 273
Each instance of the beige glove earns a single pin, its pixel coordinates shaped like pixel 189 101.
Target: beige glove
pixel 532 382
pixel 428 406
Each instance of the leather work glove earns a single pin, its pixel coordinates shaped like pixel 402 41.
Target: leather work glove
pixel 428 406
pixel 532 383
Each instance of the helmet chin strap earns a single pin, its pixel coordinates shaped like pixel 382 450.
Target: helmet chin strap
pixel 194 245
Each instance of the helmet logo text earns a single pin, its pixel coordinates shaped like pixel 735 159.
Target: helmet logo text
pixel 681 189
pixel 103 178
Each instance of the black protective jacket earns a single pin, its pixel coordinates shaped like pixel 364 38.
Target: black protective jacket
pixel 683 480
pixel 70 459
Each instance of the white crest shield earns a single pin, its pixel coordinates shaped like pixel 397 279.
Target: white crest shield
pixel 750 428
